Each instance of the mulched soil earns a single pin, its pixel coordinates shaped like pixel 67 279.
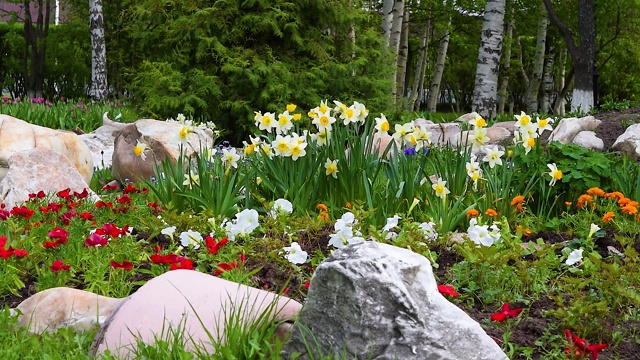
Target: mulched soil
pixel 614 124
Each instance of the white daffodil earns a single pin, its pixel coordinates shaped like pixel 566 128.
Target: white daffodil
pixel 322 137
pixel 331 168
pixel 391 223
pixel 281 145
pixel 523 119
pixel 478 121
pixel 440 187
pixel 191 238
pixel 294 254
pixel 544 124
pixel 363 112
pixel 382 124
pixel 574 257
pixel 478 137
pixel 181 118
pixel 139 150
pixel 324 121
pixel 190 179
pixel 284 123
pixel 184 132
pixel 230 158
pixel 297 149
pixel 554 173
pixel 472 166
pixel 266 121
pixel 528 143
pixel 281 206
pixel 402 130
pixel 493 155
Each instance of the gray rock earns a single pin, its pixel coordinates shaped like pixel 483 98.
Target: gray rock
pixel 589 140
pixel 626 143
pixel 568 128
pixel 377 301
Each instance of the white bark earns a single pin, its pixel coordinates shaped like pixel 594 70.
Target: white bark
pixel 547 79
pixel 558 106
pixel 486 83
pixel 99 89
pixel 394 41
pixel 582 100
pixel 434 89
pixel 387 19
pixel 421 67
pixel 538 66
pixel 504 83
pixel 403 55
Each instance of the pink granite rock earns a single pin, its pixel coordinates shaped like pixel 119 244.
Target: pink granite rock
pixel 30 171
pixel 193 301
pixel 56 308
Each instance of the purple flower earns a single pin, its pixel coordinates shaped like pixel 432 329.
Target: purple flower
pixel 79 104
pixel 409 151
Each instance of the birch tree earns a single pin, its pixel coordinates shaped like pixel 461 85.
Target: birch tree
pixel 434 89
pixel 538 66
pixel 582 55
pixel 486 83
pixel 403 55
pixel 548 82
pixel 394 39
pixel 421 68
pixel 99 88
pixel 506 65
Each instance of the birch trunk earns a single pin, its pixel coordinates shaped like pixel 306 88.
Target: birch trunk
pixel 387 20
pixel 547 78
pixel 503 93
pixel 99 89
pixel 558 104
pixel 434 89
pixel 538 66
pixel 421 66
pixel 394 40
pixel 486 83
pixel 403 55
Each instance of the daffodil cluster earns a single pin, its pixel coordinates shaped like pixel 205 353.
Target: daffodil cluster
pixel 410 135
pixel 527 131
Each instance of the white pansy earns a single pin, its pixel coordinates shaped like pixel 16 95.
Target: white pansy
pixel 191 238
pixel 281 206
pixel 294 254
pixel 391 223
pixel 168 231
pixel 244 223
pixel 574 257
pixel 347 219
pixel 429 230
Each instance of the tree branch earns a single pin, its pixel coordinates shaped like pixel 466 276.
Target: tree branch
pixel 564 30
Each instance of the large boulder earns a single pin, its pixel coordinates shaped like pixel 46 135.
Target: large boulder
pixel 101 141
pixel 442 133
pixel 377 301
pixel 629 142
pixel 17 135
pixel 200 304
pixel 589 140
pixel 568 128
pixel 30 171
pixel 56 308
pixel 163 141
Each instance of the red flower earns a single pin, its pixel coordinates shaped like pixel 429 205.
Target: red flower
pixel 22 211
pixel 165 259
pixel 50 244
pixel 39 195
pixel 214 246
pixel 578 347
pixel 66 217
pixel 61 235
pixel 65 194
pixel 124 199
pixel 58 265
pixel 130 189
pixel 3 240
pixel 82 194
pixel 448 290
pixel 86 215
pixel 96 240
pixel 110 187
pixel 20 253
pixel 506 313
pixel 101 204
pixel 6 253
pixel 185 264
pixel 222 267
pixel 126 265
pixel 307 284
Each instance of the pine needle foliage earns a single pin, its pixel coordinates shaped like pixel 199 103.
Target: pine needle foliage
pixel 221 60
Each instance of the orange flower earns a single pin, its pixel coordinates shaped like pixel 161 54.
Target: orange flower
pixel 348 205
pixel 519 207
pixel 322 207
pixel 614 195
pixel 608 216
pixel 633 203
pixel 324 216
pixel 517 200
pixel 525 232
pixel 629 210
pixel 584 199
pixel 568 203
pixel 472 213
pixel 491 212
pixel 596 191
pixel 624 201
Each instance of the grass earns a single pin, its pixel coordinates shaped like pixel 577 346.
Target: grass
pixel 525 266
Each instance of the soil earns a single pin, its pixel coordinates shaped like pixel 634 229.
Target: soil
pixel 614 123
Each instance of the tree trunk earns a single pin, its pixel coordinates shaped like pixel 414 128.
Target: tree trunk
pixel 547 95
pixel 35 47
pixel 394 40
pixel 583 56
pixel 387 20
pixel 558 104
pixel 503 93
pixel 486 83
pixel 421 66
pixel 538 66
pixel 403 55
pixel 99 88
pixel 434 89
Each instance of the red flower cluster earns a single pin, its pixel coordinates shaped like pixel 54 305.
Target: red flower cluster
pixel 505 313
pixel 177 262
pixel 448 290
pixel 125 264
pixel 223 266
pixel 59 236
pixel 39 195
pixel 58 265
pixel 22 211
pixel 214 246
pixel 578 348
pixel 96 239
pixel 7 253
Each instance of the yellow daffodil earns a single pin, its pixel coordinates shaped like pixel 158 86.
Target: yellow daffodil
pixel 331 167
pixel 291 108
pixel 554 173
pixel 139 150
pixel 440 188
